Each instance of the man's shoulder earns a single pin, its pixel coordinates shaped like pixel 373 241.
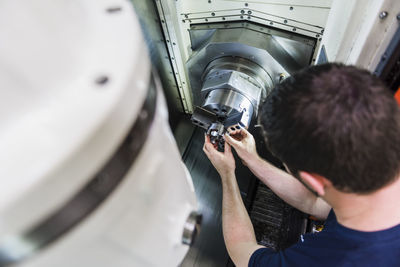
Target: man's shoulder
pixel 336 246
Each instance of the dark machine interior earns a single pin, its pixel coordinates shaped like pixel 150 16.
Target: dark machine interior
pixel 277 225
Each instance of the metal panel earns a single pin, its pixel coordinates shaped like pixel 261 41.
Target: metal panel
pixel 358 32
pixel 278 52
pixel 304 17
pixel 150 23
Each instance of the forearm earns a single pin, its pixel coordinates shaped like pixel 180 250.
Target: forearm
pixel 237 228
pixel 288 188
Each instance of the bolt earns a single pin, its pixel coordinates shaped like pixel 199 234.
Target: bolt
pixel 183 21
pixel 206 19
pixel 223 18
pixel 249 12
pixel 114 9
pixel 383 15
pixel 291 8
pixel 285 21
pixel 294 29
pixel 248 17
pixel 317 35
pixel 246 4
pixel 102 80
pixel 271 23
pixel 242 11
pixel 241 17
pixel 209 1
pixel 213 14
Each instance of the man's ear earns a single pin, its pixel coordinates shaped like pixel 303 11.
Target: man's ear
pixel 315 182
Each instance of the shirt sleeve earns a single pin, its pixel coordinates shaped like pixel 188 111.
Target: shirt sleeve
pixel 264 257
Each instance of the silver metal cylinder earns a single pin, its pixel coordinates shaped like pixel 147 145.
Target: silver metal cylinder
pixel 227 103
pixel 233 88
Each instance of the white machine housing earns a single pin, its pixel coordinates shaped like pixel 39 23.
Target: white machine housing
pixel 74 76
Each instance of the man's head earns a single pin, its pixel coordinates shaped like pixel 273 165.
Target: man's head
pixel 337 122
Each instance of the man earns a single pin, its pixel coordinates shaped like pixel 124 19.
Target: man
pixel 337 130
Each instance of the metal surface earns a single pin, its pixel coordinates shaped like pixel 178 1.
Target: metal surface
pixel 191 228
pixel 274 51
pixel 237 74
pixel 179 18
pixel 170 23
pixel 151 26
pixel 388 67
pixel 236 68
pixel 18 248
pixel 383 15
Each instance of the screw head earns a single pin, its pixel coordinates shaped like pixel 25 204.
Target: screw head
pixel 383 14
pixel 102 80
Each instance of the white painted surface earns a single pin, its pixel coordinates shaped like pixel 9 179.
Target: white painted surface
pixel 57 125
pixel 58 128
pixel 355 34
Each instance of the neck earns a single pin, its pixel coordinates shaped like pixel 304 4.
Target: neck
pixel 373 212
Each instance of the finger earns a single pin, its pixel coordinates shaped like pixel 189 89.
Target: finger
pixel 231 140
pixel 205 151
pixel 206 139
pixel 209 147
pixel 233 132
pixel 227 149
pixel 207 142
pixel 244 132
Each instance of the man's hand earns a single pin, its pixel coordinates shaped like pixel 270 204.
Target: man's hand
pixel 223 162
pixel 244 144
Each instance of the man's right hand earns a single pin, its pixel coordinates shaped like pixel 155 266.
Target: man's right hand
pixel 243 142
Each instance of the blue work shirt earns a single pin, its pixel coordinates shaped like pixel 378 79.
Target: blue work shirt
pixel 336 246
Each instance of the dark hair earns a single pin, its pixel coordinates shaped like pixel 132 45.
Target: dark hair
pixel 336 121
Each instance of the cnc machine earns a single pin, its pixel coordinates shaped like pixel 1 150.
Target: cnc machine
pixel 99 169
